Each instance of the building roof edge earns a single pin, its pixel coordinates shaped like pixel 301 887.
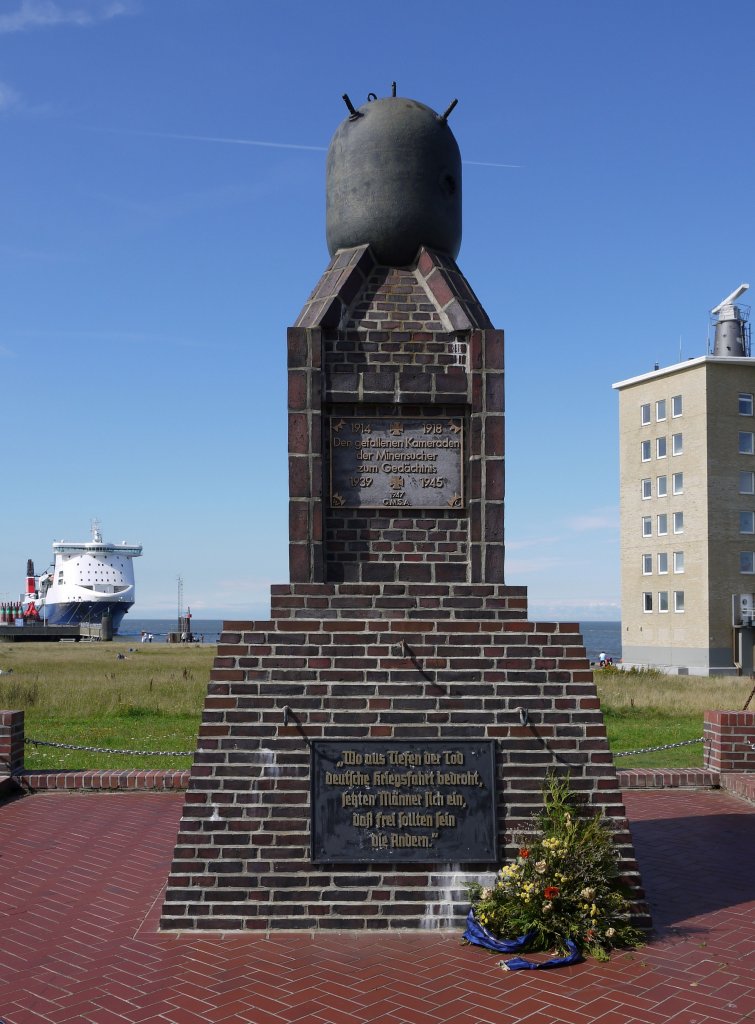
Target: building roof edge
pixel 666 371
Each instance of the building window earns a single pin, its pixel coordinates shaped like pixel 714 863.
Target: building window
pixel 678 522
pixel 647 602
pixel 678 600
pixel 647 488
pixel 663 600
pixel 662 524
pixel 660 447
pixel 747 522
pixel 747 483
pixel 647 526
pixel 677 483
pixel 647 565
pixel 745 405
pixel 677 444
pixel 678 561
pixel 676 405
pixel 645 451
pixel 660 487
pixel 645 414
pixel 660 409
pixel 662 562
pixel 747 562
pixel 746 442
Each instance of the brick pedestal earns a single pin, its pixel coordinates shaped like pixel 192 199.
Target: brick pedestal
pixel 242 858
pixel 396 625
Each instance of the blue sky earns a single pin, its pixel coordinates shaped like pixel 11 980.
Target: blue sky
pixel 162 194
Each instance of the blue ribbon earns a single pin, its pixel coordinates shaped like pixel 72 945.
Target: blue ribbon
pixel 479 936
pixel 518 963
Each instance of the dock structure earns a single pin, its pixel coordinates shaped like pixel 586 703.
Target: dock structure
pixel 41 632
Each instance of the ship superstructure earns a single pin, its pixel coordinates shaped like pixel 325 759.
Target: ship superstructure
pixel 87 580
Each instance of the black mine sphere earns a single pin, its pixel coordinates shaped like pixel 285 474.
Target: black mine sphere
pixel 394 181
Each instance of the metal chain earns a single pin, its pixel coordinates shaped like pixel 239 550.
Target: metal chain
pixel 190 753
pixel 109 750
pixel 663 746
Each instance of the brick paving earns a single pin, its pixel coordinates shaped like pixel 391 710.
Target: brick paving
pixel 80 885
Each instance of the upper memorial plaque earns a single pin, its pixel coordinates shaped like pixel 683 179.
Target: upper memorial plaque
pixel 409 462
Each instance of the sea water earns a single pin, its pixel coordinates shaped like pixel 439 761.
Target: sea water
pixel 599 637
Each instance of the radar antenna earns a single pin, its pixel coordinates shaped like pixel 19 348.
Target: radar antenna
pixel 732 337
pixel 730 299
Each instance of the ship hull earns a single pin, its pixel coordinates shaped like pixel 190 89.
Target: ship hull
pixel 73 613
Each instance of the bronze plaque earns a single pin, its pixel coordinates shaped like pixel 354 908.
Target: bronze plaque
pixel 388 801
pixel 402 462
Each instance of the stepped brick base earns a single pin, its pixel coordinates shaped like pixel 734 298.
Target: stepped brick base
pixel 242 859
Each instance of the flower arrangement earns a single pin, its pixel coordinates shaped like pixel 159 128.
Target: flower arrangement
pixel 563 888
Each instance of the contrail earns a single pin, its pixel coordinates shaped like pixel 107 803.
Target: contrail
pixel 484 163
pixel 266 145
pixel 214 138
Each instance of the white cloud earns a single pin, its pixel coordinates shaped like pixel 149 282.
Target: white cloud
pixel 32 14
pixel 8 97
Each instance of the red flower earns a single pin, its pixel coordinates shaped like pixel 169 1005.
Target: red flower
pixel 551 891
pixel 524 853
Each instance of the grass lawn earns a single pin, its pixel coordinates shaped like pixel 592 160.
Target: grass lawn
pixel 151 699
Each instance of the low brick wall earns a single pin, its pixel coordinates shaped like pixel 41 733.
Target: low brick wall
pixel 730 740
pixel 14 776
pixel 668 778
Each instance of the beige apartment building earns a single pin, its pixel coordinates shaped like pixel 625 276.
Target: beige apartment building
pixel 687 451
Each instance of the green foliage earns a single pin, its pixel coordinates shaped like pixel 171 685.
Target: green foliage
pixel 563 885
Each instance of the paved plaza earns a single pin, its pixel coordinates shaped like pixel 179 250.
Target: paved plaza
pixel 81 878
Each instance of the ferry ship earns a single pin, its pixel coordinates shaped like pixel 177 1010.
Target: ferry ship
pixel 87 580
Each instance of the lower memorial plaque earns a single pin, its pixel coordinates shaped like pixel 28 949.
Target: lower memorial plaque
pixel 392 800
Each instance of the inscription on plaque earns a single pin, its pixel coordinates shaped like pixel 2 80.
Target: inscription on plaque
pixel 396 463
pixel 391 800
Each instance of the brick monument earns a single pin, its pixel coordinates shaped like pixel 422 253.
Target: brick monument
pixel 382 737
